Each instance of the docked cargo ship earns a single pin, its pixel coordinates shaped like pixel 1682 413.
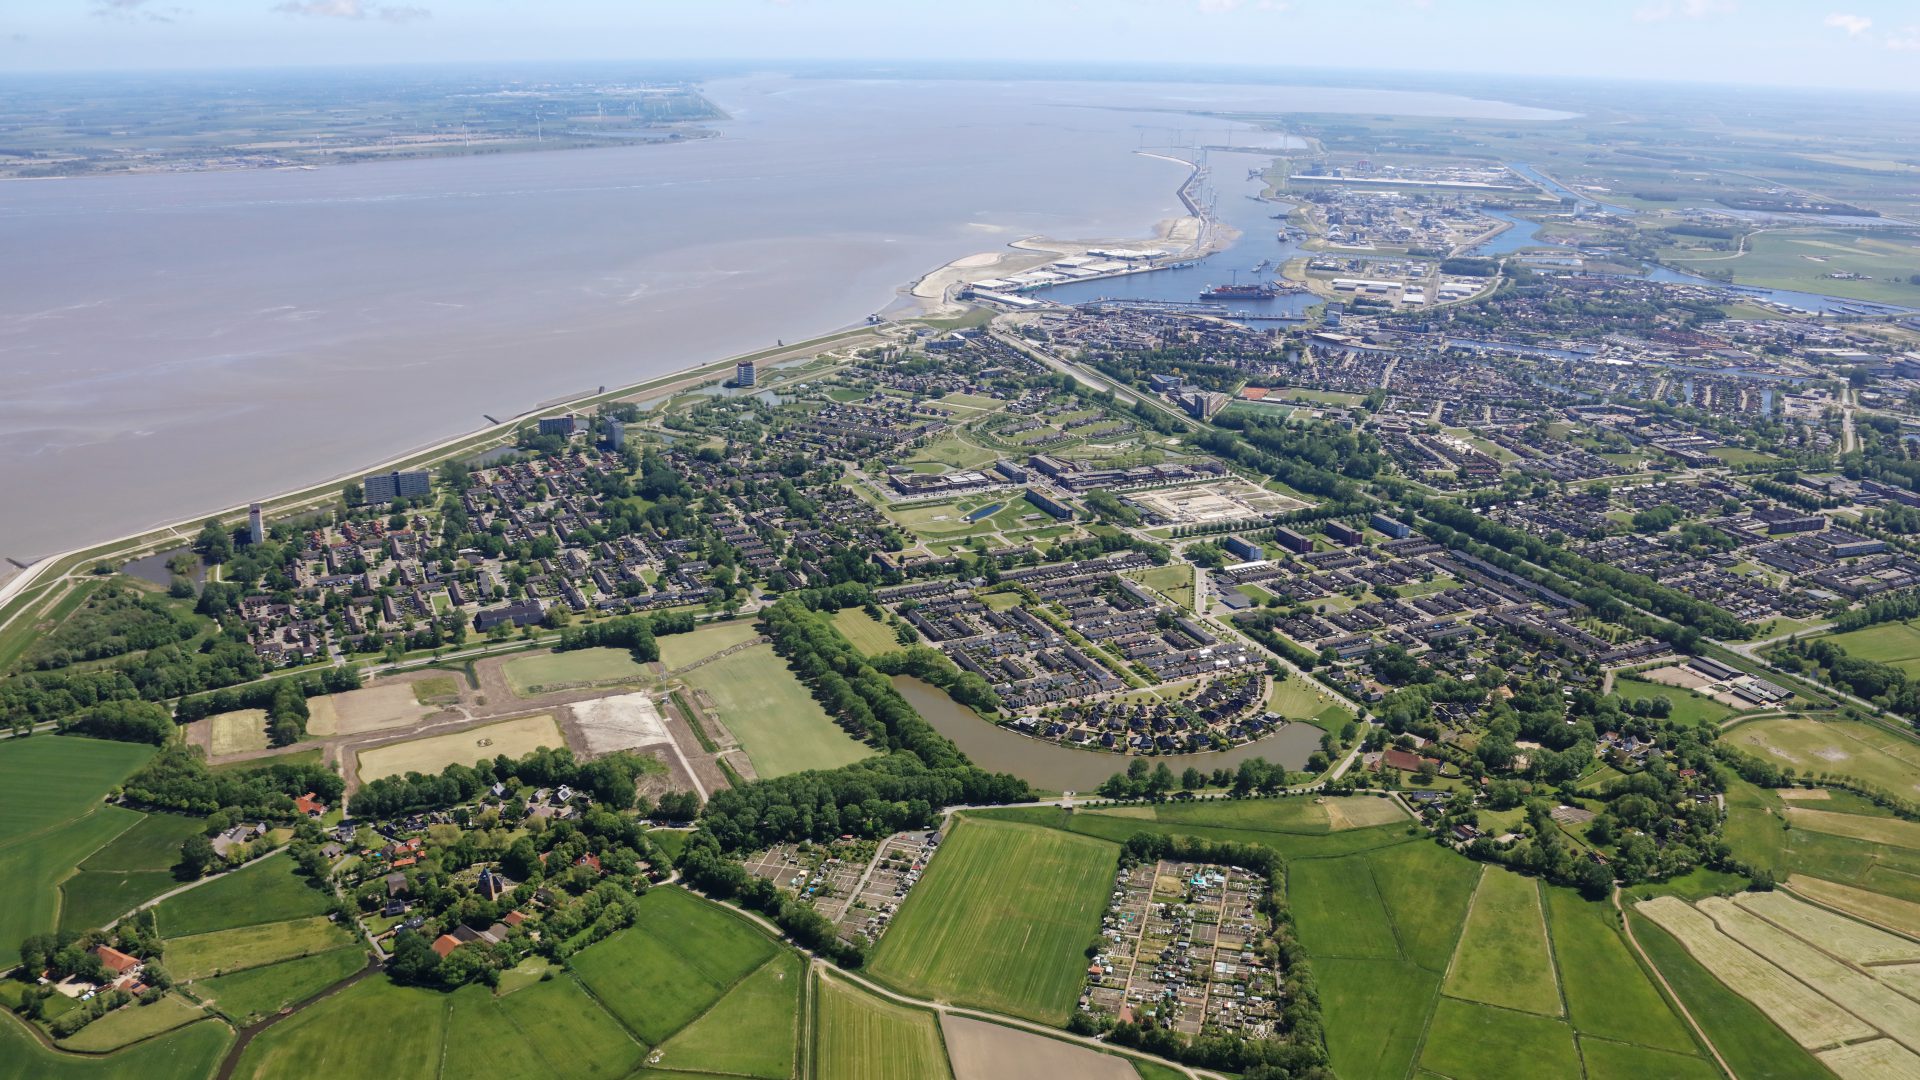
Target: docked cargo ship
pixel 1257 291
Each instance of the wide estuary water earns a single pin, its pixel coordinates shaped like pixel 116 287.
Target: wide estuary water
pixel 175 344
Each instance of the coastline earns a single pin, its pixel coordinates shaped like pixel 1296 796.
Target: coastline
pixel 931 295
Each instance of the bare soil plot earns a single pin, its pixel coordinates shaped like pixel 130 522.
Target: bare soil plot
pixel 1795 794
pixel 514 738
pixel 1880 1059
pixel 983 1051
pixel 679 650
pixel 621 722
pixel 1810 1019
pixel 1850 988
pixel 1857 826
pixel 376 708
pixel 1888 911
pixel 237 732
pixel 1843 937
pixel 1362 811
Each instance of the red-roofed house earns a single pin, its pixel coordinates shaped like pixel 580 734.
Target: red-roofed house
pixel 116 962
pixel 513 918
pixel 1404 760
pixel 310 805
pixel 589 859
pixel 445 944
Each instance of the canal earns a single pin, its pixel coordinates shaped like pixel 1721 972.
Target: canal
pixel 1053 767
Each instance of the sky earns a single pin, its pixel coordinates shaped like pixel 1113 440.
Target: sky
pixel 1861 44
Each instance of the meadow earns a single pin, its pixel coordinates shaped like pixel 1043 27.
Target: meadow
pixel 1688 707
pixel 869 635
pixel 219 952
pixel 133 868
pixel 191 1053
pixel 1841 747
pixel 539 672
pixel 858 1036
pixel 679 650
pixel 783 729
pixel 1000 919
pixel 750 1031
pixel 267 891
pixel 52 820
pixel 125 1026
pixel 678 959
pixel 1896 644
pixel 261 991
pixel 1503 957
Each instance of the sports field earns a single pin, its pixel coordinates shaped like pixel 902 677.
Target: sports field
pixel 540 672
pixel 1843 747
pixel 237 732
pixel 679 650
pixel 783 729
pixel 51 820
pixel 858 1036
pixel 1000 920
pixel 514 738
pixel 1502 959
pixel 867 634
pixel 267 891
pixel 200 956
pixel 191 1053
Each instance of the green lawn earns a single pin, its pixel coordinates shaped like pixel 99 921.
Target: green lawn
pixel 1754 1047
pixel 1339 911
pixel 373 1028
pixel 679 650
pixel 783 729
pixel 129 1024
pixel 263 990
pixel 750 1031
pixel 192 1053
pixel 1688 707
pixel 540 672
pixel 858 1036
pixel 267 891
pixel 1885 643
pixel 1000 919
pixel 679 958
pixel 1608 995
pixel 1468 1040
pixel 203 955
pixel 1298 698
pixel 868 634
pixel 1503 959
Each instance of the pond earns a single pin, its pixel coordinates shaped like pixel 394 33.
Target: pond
pixel 1053 767
pixel 986 511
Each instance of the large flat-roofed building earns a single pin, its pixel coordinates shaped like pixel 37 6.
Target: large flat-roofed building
pixel 563 426
pixel 386 487
pixel 745 374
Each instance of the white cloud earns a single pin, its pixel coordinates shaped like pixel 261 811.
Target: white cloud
pixel 1684 9
pixel 1216 7
pixel 353 9
pixel 1854 25
pixel 135 9
pixel 1906 39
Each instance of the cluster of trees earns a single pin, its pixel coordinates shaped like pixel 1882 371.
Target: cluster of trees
pixel 1110 507
pixel 1320 458
pixel 706 868
pixel 1897 607
pixel 1883 684
pixel 159 674
pixel 868 798
pixel 931 665
pixel 70 953
pixel 1257 776
pixel 1298 1049
pixel 634 633
pixel 177 778
pixel 113 622
pixel 609 779
pixel 124 721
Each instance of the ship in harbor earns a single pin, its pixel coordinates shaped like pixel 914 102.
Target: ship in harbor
pixel 1259 290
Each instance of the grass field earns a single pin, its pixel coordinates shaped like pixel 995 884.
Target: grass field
pixel 1608 995
pixel 678 959
pixel 750 1031
pixel 200 956
pixel 679 650
pixel 1802 259
pixel 869 635
pixel 1278 815
pixel 1888 911
pixel 1895 643
pixel 153 843
pixel 90 900
pixel 1753 1045
pixel 567 1031
pixel 1607 1060
pixel 265 892
pixel 32 867
pixel 1688 707
pixel 263 990
pixel 858 1036
pixel 1296 698
pixel 1000 919
pixel 1175 581
pixel 47 780
pixel 783 729
pixel 375 708
pixel 1426 889
pixel 1842 747
pixel 1877 830
pixel 130 1024
pixel 440 690
pixel 237 732
pixel 527 675
pixel 1503 958
pixel 1465 1040
pixel 1362 812
pixel 514 738
pixel 1339 910
pixel 192 1053
pixel 314 1043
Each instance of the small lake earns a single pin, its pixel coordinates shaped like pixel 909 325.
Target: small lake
pixel 1053 767
pixel 986 511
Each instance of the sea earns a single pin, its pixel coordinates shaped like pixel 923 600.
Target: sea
pixel 175 344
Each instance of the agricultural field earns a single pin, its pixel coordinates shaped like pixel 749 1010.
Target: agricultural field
pixel 1896 644
pixel 679 650
pixel 261 991
pixel 1503 958
pixel 1688 707
pixel 268 891
pixel 133 868
pixel 673 964
pixel 1841 747
pixel 859 1036
pixel 978 1050
pixel 867 634
pixel 1803 259
pixel 514 738
pixel 237 732
pixel 125 1026
pixel 51 820
pixel 200 956
pixel 1877 830
pixel 1873 907
pixel 952 938
pixel 1465 1039
pixel 310 1043
pixel 546 671
pixel 750 1031
pixel 1761 831
pixel 375 708
pixel 783 729
pixel 191 1053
